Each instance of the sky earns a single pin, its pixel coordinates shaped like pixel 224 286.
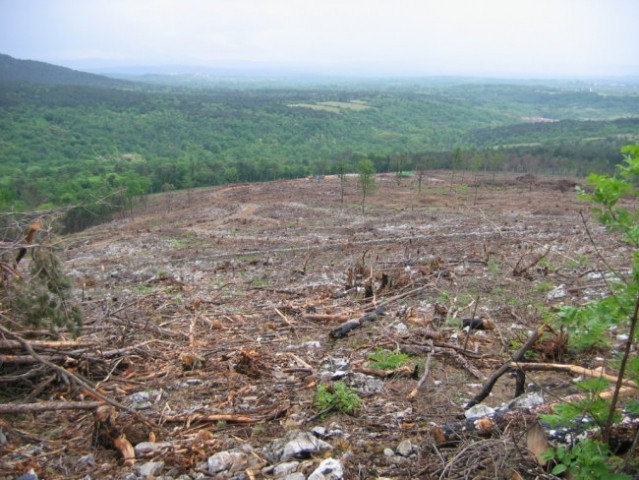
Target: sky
pixel 507 38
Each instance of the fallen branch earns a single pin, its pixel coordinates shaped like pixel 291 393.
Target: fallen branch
pixel 423 379
pixel 16 408
pixel 324 317
pixel 225 417
pixel 29 360
pixel 72 376
pixel 577 370
pixel 523 270
pixel 466 365
pixel 45 344
pixel 488 386
pixel 344 328
pixel 405 371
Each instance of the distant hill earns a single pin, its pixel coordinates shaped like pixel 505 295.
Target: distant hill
pixel 13 70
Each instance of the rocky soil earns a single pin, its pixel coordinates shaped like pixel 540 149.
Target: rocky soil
pixel 212 313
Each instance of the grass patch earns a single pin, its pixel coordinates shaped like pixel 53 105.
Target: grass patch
pixel 385 360
pixel 337 397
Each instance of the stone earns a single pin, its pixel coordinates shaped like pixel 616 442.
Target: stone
pixel 295 476
pixel 388 452
pixel 399 329
pixel 366 385
pixel 478 411
pixel 234 460
pixel 150 449
pixel 30 475
pixel 145 399
pixel 319 432
pixel 405 448
pixel 86 461
pixel 150 469
pixel 527 401
pixel 304 445
pixel 283 469
pixel 329 469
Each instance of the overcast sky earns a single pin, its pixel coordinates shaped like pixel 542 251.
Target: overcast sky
pixel 530 38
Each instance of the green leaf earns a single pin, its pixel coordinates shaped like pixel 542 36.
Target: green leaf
pixel 558 469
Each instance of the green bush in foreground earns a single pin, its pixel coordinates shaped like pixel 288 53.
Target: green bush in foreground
pixel 588 325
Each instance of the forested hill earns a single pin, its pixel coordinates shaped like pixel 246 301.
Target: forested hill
pixel 67 142
pixel 13 70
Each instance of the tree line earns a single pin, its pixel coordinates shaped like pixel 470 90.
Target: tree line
pixel 75 145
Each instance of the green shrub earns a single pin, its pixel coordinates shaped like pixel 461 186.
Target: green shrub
pixel 385 360
pixel 338 397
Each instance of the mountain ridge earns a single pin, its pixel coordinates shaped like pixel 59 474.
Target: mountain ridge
pixel 13 70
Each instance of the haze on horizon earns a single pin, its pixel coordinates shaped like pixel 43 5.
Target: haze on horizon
pixel 499 38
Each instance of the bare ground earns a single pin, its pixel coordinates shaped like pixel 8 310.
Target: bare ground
pixel 223 300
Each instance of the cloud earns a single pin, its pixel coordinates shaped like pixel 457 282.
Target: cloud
pixel 427 36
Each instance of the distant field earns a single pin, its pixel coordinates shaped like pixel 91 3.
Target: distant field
pixel 334 107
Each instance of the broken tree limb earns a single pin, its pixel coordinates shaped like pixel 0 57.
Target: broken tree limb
pixel 67 374
pixel 45 344
pixel 456 353
pixel 225 417
pixel 405 371
pixel 519 271
pixel 28 359
pixel 466 365
pixel 423 378
pixel 519 354
pixel 577 370
pixel 325 317
pixel 399 296
pixel 342 330
pixel 14 408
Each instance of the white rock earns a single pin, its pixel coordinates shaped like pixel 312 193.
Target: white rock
pixel 150 468
pixel 285 468
pixel 527 400
pixel 147 449
pixel 295 476
pixel 329 469
pixel 399 329
pixel 558 292
pixel 405 448
pixel 234 460
pixel 305 445
pixel 319 432
pixel 478 411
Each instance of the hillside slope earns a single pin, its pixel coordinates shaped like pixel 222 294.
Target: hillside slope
pixel 211 312
pixel 13 70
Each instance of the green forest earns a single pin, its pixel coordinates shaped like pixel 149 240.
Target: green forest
pixel 67 140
